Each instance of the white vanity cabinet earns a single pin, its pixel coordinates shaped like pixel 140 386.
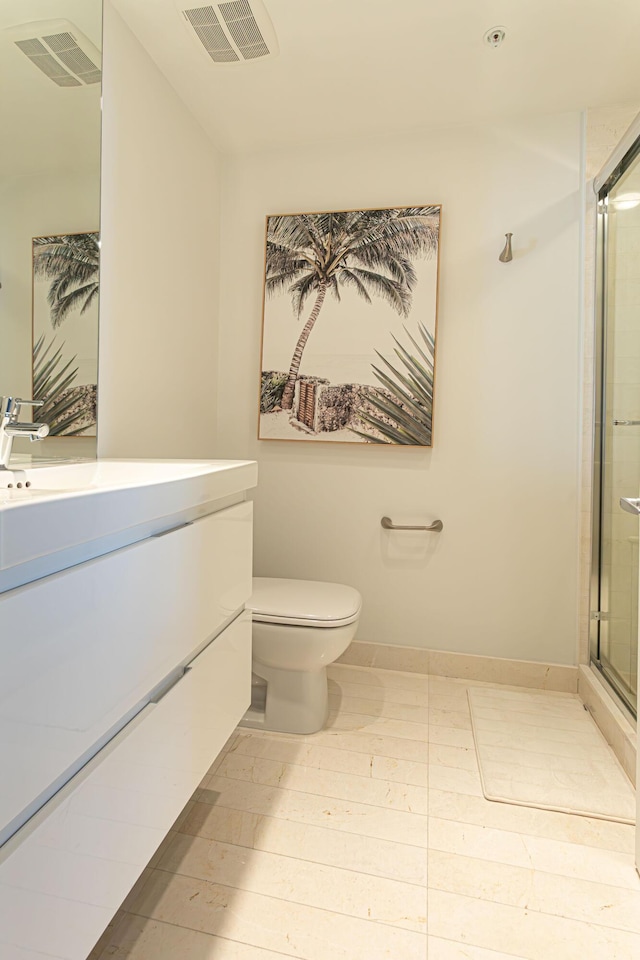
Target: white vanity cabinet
pixel 122 678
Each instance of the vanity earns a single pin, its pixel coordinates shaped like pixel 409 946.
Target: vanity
pixel 126 652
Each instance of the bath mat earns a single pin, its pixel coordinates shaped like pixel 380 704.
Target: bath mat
pixel 544 750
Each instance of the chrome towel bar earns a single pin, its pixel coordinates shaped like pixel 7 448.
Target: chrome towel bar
pixel 390 525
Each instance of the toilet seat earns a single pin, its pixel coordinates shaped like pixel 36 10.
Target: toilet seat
pixel 306 603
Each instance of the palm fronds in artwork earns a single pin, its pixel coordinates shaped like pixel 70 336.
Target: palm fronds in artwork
pixel 53 382
pixel 271 388
pixel 404 406
pixel 72 263
pixel 367 251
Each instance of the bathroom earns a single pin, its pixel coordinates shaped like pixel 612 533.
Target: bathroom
pixel 190 170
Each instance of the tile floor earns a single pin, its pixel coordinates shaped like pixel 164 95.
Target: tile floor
pixel 372 840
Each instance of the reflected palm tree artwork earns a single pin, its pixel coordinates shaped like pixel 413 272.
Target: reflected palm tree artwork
pixel 337 287
pixel 66 284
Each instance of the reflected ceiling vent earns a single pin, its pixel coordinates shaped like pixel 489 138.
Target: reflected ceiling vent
pixel 239 31
pixel 57 48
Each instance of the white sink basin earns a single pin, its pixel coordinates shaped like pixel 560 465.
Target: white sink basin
pixel 75 511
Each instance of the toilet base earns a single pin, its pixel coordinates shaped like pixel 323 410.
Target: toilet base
pixel 297 701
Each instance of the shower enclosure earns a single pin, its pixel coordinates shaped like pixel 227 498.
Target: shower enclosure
pixel 614 587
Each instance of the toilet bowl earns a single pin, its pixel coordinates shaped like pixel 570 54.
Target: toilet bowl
pixel 299 628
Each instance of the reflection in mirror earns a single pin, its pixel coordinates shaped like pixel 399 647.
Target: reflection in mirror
pixel 49 215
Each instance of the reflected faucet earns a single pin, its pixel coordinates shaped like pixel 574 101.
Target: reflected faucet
pixel 10 428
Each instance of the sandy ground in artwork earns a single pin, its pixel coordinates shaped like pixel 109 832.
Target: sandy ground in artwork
pixel 276 426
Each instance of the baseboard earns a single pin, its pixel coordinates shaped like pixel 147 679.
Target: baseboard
pixel 439 663
pixel 614 725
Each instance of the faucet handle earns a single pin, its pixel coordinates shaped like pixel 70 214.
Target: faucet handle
pixel 10 407
pixel 30 403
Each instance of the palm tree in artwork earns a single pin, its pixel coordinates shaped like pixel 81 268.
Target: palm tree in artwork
pixel 370 251
pixel 72 263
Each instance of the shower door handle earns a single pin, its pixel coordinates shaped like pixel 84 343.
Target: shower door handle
pixel 630 504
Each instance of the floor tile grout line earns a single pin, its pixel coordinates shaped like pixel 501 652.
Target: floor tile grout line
pixel 351 733
pixel 371 777
pixel 360 753
pixel 325 796
pixel 368 716
pixel 534 836
pixel 300 823
pixel 366 836
pixel 526 909
pixel 320 863
pixel 299 903
pixel 545 913
pixel 489 950
pixel 299 859
pixel 527 836
pixel 205 933
pixel 308 793
pixel 325 746
pixel 335 711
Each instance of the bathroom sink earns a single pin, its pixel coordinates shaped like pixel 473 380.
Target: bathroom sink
pixel 54 516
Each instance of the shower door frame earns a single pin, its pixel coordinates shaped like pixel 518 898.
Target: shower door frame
pixel 599 587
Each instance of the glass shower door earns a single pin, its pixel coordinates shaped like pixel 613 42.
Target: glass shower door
pixel 616 617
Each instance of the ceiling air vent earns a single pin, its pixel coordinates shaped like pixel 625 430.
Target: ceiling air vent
pixel 234 32
pixel 57 48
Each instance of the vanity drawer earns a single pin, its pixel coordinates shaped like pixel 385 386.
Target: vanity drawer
pixel 67 871
pixel 82 649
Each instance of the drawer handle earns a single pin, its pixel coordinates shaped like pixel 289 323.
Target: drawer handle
pixel 171 681
pixel 179 526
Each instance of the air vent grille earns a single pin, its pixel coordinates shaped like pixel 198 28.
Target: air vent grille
pixel 59 51
pixel 244 29
pixel 215 41
pixel 233 31
pixel 73 57
pixel 44 61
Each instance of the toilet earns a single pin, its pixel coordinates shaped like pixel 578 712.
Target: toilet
pixel 299 628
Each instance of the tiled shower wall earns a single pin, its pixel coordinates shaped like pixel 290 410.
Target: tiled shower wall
pixel 604 129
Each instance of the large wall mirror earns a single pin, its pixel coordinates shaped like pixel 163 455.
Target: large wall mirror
pixel 50 120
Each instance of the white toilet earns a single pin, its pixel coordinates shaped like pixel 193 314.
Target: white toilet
pixel 299 628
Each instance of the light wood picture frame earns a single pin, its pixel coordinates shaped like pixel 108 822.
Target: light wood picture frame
pixel 349 326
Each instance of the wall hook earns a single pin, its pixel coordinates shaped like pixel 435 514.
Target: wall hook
pixel 507 253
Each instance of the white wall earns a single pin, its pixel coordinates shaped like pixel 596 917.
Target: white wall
pixel 160 228
pixel 503 473
pixel 34 206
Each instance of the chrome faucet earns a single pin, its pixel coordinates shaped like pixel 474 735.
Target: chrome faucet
pixel 10 428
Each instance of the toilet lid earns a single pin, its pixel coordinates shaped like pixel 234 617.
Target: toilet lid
pixel 308 603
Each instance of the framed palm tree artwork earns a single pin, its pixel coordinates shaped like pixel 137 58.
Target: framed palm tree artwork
pixel 66 271
pixel 349 326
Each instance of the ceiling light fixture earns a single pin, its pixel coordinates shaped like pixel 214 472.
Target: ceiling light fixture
pixel 495 36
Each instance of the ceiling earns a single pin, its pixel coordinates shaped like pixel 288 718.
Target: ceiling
pixel 46 129
pixel 352 68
